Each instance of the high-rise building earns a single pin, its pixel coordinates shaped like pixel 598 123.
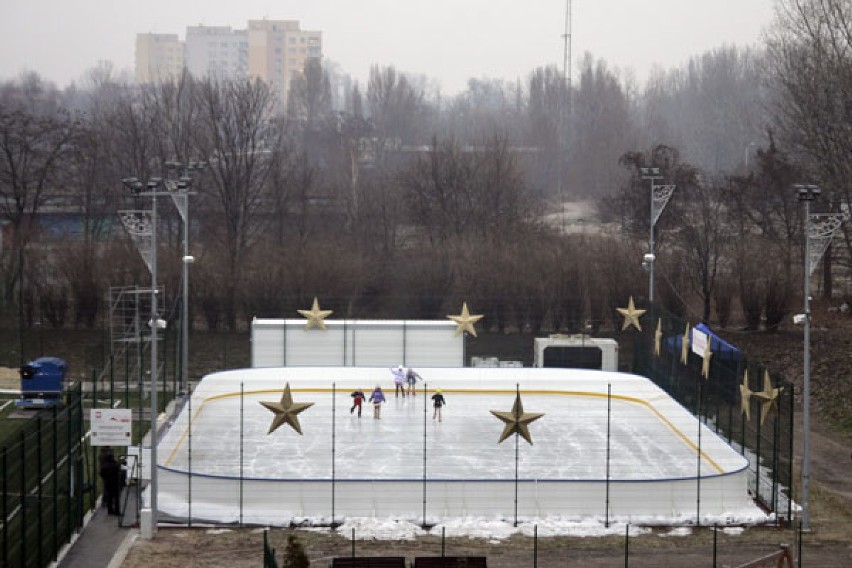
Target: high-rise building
pixel 216 51
pixel 278 50
pixel 273 51
pixel 159 57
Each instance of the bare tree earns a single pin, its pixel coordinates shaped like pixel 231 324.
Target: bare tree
pixel 468 193
pixel 394 104
pixel 309 99
pixel 36 136
pixel 242 142
pixel 810 52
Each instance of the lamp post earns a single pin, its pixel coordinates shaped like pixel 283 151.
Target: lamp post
pixel 143 228
pixel 807 194
pixel 136 187
pixel 660 195
pixel 181 200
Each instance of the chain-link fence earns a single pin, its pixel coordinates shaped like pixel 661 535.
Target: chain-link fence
pixel 46 489
pixel 760 427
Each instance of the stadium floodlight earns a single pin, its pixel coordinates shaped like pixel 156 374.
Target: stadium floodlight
pixel 660 195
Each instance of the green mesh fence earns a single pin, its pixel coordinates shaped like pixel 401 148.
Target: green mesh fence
pixel 44 487
pixel 718 402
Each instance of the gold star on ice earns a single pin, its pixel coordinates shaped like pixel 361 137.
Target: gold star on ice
pixel 684 347
pixel 745 396
pixel 631 315
pixel 464 321
pixel 658 336
pixel 767 397
pixel 315 316
pixel 517 421
pixel 705 365
pixel 286 411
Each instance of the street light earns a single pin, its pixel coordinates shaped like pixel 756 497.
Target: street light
pixel 660 195
pixel 153 189
pixel 136 187
pixel 181 201
pixel 807 194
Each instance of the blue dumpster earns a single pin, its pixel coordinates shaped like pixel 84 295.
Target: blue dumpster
pixel 42 382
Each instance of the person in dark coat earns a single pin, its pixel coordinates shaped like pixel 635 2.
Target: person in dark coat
pixel 112 475
pixel 437 402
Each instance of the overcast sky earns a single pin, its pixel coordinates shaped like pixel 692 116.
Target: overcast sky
pixel 449 40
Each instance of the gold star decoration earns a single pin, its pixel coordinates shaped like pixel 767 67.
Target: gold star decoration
pixel 464 321
pixel 658 336
pixel 745 396
pixel 286 411
pixel 517 421
pixel 684 347
pixel 705 365
pixel 631 315
pixel 767 397
pixel 315 316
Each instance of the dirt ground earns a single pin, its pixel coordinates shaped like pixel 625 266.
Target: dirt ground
pixel 827 545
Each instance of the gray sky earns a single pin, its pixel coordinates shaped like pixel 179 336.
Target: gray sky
pixel 449 40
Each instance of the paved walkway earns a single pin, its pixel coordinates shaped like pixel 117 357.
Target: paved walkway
pixel 106 539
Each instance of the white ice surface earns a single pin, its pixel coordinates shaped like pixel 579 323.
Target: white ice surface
pixel 569 441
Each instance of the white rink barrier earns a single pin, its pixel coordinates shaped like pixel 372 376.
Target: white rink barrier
pixel 632 455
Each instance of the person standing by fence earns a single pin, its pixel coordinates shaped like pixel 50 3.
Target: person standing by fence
pixel 112 475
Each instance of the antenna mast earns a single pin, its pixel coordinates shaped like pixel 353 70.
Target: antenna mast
pixel 564 97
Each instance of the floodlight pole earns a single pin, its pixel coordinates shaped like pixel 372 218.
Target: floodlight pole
pixel 181 200
pixel 154 329
pixel 807 194
pixel 651 174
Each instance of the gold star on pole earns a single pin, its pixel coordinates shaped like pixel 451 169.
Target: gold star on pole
pixel 767 397
pixel 286 411
pixel 658 336
pixel 517 421
pixel 315 316
pixel 631 315
pixel 684 347
pixel 745 396
pixel 464 321
pixel 705 365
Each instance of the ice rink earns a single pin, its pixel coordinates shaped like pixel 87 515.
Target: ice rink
pixel 635 448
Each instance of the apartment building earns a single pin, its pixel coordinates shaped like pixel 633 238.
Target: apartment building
pixel 278 50
pixel 274 51
pixel 159 57
pixel 216 51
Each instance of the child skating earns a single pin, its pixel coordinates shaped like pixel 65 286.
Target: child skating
pixel 410 380
pixel 399 380
pixel 377 398
pixel 357 398
pixel 438 402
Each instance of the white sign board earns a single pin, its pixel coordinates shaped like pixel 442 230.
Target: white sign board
pixel 111 426
pixel 699 342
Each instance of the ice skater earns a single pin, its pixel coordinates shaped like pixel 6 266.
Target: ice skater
pixel 357 398
pixel 399 380
pixel 438 402
pixel 377 398
pixel 410 380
